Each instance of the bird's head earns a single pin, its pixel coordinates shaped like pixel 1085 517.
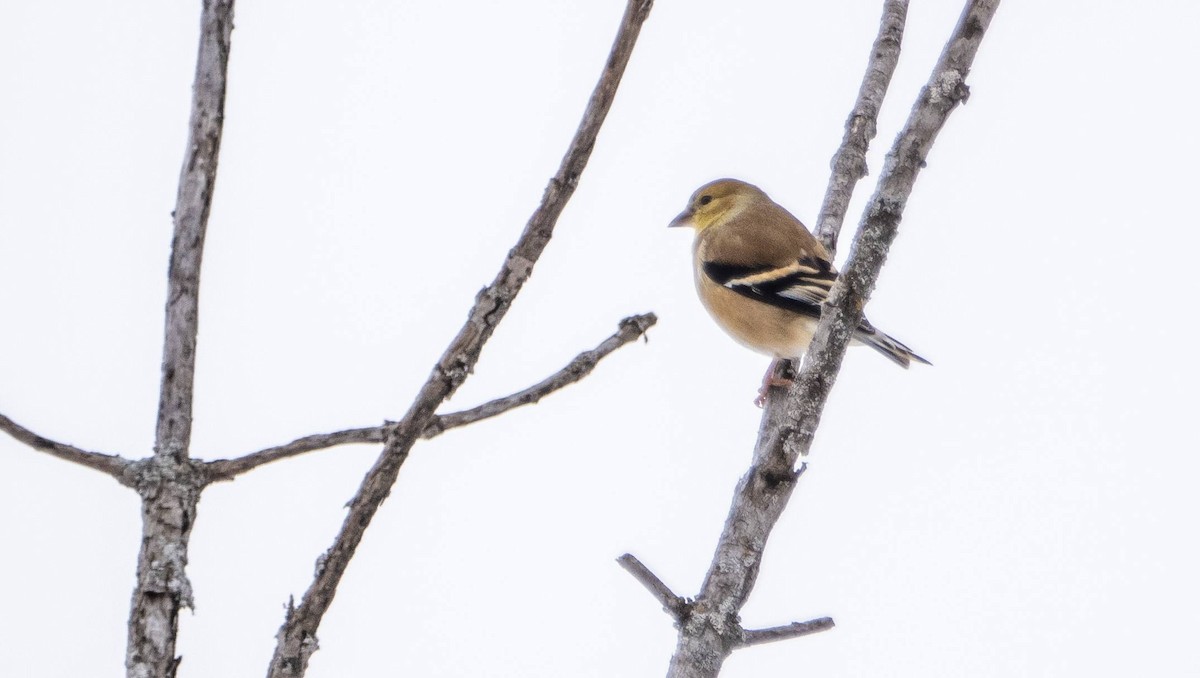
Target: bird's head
pixel 715 202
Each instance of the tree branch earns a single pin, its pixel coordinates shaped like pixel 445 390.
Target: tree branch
pixel 877 230
pixel 297 637
pixel 193 202
pixel 676 606
pixel 228 469
pixel 111 464
pixel 170 483
pixel 849 163
pixel 793 630
pixel 582 365
pixel 630 329
pixel 788 425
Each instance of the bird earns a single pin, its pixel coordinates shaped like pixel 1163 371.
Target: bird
pixel 762 276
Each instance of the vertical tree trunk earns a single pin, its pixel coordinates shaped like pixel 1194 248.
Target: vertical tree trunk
pixel 170 482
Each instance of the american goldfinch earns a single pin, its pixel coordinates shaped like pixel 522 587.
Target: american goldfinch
pixel 762 275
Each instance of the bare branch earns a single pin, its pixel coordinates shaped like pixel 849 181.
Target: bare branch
pixel 793 630
pixel 630 329
pixel 842 312
pixel 111 464
pixel 849 163
pixel 672 604
pixel 785 436
pixel 170 485
pixel 297 637
pixel 228 469
pixel 193 202
pixel 582 365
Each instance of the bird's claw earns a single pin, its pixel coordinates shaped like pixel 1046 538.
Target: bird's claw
pixel 770 381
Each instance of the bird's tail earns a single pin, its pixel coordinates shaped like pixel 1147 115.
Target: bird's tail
pixel 893 350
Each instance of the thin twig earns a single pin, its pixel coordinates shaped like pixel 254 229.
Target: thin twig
pixel 785 436
pixel 582 365
pixel 674 605
pixel 793 630
pixel 228 469
pixel 849 163
pixel 170 483
pixel 630 329
pixel 297 637
pixel 111 464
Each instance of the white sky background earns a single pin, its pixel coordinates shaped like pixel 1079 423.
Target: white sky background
pixel 1024 508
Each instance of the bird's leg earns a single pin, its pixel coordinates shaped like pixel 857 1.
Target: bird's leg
pixel 771 378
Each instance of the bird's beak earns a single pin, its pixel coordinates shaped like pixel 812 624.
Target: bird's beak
pixel 684 219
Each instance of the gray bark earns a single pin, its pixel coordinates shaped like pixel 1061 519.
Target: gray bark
pixel 111 464
pixel 711 628
pixel 170 482
pixel 849 163
pixel 297 638
pixel 631 329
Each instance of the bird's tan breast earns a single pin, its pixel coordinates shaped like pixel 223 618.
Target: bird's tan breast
pixel 761 234
pixel 759 326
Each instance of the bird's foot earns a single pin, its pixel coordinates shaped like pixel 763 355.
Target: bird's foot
pixel 770 379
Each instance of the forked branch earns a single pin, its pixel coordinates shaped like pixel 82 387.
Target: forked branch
pixel 297 639
pixel 713 629
pixel 168 483
pixel 630 329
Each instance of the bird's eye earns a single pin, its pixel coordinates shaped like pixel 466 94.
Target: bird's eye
pixel 705 199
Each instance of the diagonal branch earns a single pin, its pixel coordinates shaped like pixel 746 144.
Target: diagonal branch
pixel 849 163
pixel 297 637
pixel 630 329
pixel 112 464
pixel 676 606
pixel 944 91
pixel 788 426
pixel 582 365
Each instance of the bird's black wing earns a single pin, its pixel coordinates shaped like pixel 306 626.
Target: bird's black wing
pixel 799 287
